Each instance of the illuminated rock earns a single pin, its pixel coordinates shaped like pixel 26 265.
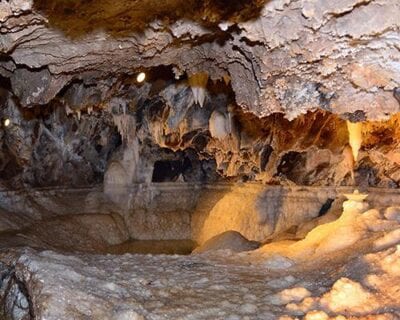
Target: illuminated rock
pixel 355 202
pixel 229 240
pixel 198 83
pixel 355 137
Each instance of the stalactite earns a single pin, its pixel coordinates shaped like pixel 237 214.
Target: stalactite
pixel 126 125
pixel 68 110
pixel 349 161
pixel 227 79
pixel 355 137
pixel 198 83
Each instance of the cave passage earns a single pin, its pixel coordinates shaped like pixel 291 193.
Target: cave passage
pixel 199 159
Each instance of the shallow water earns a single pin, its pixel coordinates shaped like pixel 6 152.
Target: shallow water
pixel 181 247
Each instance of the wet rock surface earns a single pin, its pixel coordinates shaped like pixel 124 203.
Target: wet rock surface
pixel 168 287
pixel 72 275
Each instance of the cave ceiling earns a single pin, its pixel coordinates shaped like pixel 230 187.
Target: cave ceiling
pixel 280 56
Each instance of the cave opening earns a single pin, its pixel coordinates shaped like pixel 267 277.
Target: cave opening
pixel 199 159
pixel 166 171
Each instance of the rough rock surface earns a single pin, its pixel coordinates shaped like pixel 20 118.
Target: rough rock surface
pixel 356 256
pixel 170 287
pixel 48 148
pixel 169 138
pixel 228 240
pixel 281 56
pixel 222 80
pixel 235 91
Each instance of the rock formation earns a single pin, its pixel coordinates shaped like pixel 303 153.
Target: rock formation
pixel 218 77
pixel 224 124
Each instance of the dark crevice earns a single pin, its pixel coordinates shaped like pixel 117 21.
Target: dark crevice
pixel 396 94
pixel 326 207
pixel 167 171
pixel 23 289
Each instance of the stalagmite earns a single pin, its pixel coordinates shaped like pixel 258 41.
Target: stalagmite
pixel 198 83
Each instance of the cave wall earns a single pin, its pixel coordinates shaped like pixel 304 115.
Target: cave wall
pixel 87 219
pixel 157 132
pixel 44 146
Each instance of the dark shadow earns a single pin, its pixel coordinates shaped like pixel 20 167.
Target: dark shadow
pixel 77 18
pixel 269 204
pixel 326 207
pixel 291 166
pixel 167 171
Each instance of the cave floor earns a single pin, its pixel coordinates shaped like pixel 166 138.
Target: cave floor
pixel 207 286
pixel 178 247
pixel 83 266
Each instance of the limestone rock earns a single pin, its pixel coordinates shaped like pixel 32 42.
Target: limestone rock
pixel 265 60
pixel 229 240
pixel 392 213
